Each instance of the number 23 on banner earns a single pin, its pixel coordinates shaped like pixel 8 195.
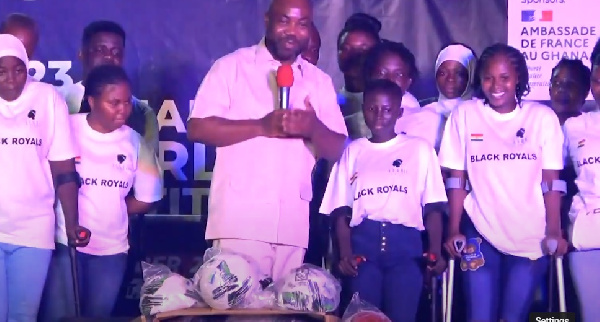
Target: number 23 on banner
pixel 62 66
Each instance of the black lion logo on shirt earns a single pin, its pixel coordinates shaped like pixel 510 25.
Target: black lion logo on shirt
pixel 121 158
pixel 521 133
pixel 31 114
pixel 397 163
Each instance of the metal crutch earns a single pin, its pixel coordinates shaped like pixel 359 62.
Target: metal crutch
pixel 431 262
pixel 82 234
pixel 552 245
pixel 458 246
pixel 75 279
pixel 444 293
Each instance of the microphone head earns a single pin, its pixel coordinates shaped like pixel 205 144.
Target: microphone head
pixel 285 76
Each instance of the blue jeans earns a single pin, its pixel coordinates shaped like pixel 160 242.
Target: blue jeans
pixel 22 275
pixel 100 280
pixel 498 286
pixel 391 278
pixel 584 270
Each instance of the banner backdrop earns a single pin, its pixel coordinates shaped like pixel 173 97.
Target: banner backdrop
pixel 171 45
pixel 548 30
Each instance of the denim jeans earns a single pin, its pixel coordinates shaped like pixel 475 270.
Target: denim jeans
pixel 503 286
pixel 584 270
pixel 100 279
pixel 391 278
pixel 22 275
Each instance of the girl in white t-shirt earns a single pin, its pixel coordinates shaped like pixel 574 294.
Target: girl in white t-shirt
pixel 378 193
pixel 510 151
pixel 37 157
pixel 583 147
pixel 114 160
pixel 454 71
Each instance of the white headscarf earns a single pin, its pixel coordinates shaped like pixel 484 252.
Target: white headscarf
pixel 12 46
pixel 465 57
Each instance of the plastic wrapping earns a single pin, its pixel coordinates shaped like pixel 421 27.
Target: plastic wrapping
pixel 361 311
pixel 229 280
pixel 308 288
pixel 165 291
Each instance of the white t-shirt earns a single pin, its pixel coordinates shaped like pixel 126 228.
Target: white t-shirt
pixel 442 108
pixel 390 181
pixel 504 155
pixel 424 123
pixel 110 165
pixel 582 140
pixel 34 129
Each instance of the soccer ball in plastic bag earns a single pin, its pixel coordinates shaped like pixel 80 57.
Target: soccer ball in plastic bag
pixel 309 289
pixel 167 293
pixel 226 281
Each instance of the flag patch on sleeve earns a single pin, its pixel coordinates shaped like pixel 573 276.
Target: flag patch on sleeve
pixel 476 137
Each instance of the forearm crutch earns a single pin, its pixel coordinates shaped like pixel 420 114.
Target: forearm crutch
pixel 431 262
pixel 444 293
pixel 75 279
pixel 552 245
pixel 82 234
pixel 458 246
pixel 449 291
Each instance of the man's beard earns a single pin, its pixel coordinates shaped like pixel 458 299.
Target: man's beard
pixel 280 52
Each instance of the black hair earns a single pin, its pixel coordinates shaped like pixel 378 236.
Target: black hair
pixel 384 86
pixel 387 46
pixel 583 72
pixel 595 56
pixel 516 59
pixel 18 20
pixel 361 22
pixel 99 26
pixel 98 78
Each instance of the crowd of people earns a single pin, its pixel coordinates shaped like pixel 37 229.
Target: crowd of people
pixel 366 178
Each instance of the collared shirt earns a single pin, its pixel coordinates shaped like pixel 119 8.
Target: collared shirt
pixel 142 119
pixel 261 188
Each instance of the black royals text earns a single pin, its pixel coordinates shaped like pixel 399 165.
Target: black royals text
pixel 503 157
pixel 104 183
pixel 21 141
pixel 380 190
pixel 588 161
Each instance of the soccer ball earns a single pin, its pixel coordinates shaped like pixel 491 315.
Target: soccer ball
pixel 226 281
pixel 309 289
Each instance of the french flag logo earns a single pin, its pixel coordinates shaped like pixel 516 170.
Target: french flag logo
pixel 536 15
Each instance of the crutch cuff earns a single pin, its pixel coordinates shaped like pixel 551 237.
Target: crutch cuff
pixel 457 183
pixel 554 185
